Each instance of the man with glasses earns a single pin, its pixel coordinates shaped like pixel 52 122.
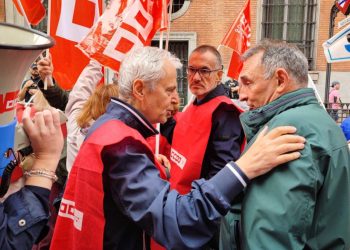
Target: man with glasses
pixel 208 134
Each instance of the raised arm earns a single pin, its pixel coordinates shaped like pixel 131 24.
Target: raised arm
pixel 188 221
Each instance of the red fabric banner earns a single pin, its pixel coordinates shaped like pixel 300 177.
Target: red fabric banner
pixel 34 10
pixel 122 26
pixel 70 21
pixel 238 38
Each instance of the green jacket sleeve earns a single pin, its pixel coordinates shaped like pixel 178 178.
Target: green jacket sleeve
pixel 298 205
pixel 279 202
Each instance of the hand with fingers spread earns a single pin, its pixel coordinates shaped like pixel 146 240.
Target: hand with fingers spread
pixel 46 139
pixel 270 150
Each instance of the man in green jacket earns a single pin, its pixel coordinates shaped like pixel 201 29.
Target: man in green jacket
pixel 306 203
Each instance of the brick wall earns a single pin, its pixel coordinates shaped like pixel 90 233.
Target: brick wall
pixel 211 20
pixel 2 10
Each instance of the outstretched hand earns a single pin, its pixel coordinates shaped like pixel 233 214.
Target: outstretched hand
pixel 270 150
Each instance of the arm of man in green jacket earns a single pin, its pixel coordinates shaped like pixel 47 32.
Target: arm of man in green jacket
pixel 299 205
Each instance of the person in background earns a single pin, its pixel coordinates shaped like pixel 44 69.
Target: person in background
pixel 34 75
pixel 114 189
pixel 210 124
pixel 54 94
pixel 334 100
pixel 303 204
pixel 217 129
pixel 24 214
pixel 86 103
pixel 234 90
pixel 345 126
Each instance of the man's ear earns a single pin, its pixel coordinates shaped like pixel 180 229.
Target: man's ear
pixel 283 80
pixel 138 89
pixel 219 75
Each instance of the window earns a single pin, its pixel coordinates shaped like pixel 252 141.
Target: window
pixel 177 5
pixel 292 21
pixel 179 8
pixel 180 49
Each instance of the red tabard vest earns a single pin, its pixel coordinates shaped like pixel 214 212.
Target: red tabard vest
pixel 164 149
pixel 190 139
pixel 80 222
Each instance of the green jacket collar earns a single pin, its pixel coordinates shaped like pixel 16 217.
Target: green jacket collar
pixel 252 121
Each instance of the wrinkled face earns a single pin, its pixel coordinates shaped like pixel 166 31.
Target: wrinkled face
pixel 174 105
pixel 157 102
pixel 253 87
pixel 204 73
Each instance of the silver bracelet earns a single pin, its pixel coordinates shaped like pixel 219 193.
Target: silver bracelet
pixel 43 173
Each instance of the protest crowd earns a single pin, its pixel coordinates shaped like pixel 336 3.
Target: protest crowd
pixel 253 162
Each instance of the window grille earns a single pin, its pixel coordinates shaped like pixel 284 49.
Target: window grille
pixel 292 21
pixel 177 5
pixel 180 49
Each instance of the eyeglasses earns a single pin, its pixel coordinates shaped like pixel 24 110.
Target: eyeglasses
pixel 202 72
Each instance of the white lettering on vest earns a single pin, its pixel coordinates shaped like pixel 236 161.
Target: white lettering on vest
pixel 68 210
pixel 176 157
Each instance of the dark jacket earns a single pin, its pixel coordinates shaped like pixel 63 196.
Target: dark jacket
pixel 23 217
pixel 55 95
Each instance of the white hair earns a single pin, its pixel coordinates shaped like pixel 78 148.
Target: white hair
pixel 144 63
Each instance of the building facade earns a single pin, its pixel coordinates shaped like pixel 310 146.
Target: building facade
pixel 196 22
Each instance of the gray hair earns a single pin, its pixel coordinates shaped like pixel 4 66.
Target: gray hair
pixel 144 63
pixel 281 55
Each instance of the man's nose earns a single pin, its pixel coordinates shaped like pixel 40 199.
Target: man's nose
pixel 196 75
pixel 242 94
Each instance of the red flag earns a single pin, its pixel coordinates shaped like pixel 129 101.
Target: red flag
pixel 121 27
pixel 238 38
pixel 34 10
pixel 343 6
pixel 70 21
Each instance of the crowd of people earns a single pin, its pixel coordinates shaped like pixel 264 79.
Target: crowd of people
pixel 276 176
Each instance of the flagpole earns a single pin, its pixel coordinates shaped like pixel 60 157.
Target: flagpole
pixel 24 13
pixel 158 124
pixel 168 26
pixel 48 79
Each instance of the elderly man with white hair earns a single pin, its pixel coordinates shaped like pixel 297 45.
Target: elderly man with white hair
pixel 115 196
